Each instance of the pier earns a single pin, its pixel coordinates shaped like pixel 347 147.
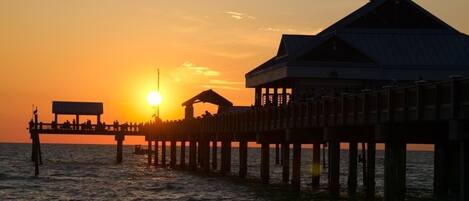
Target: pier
pixel 388 73
pixel 425 113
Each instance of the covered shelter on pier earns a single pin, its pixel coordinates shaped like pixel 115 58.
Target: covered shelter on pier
pixel 77 109
pixel 208 96
pixel 385 42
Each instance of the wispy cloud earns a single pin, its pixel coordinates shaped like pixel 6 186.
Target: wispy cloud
pixel 225 82
pixel 201 70
pixel 291 30
pixel 208 86
pixel 239 15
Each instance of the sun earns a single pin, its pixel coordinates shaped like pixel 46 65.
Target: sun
pixel 154 98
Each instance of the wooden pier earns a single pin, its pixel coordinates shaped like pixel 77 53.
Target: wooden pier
pixel 425 113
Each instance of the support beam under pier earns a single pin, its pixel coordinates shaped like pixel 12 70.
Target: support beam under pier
pixel 214 155
pixel 163 153
pixel 182 160
pixel 316 170
pixel 334 168
pixel 265 165
pixel 172 162
pixel 286 162
pixel 296 167
pixel 243 157
pixel 370 170
pixel 394 170
pixel 192 154
pixel 149 152
pixel 120 139
pixel 225 156
pixel 156 154
pixel 352 169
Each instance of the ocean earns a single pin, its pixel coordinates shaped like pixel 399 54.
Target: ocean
pixel 89 172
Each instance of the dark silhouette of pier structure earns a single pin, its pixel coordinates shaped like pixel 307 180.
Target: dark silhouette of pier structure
pixel 376 76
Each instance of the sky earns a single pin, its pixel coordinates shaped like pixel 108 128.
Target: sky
pixel 109 50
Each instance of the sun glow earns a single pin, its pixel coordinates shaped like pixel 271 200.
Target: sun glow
pixel 154 98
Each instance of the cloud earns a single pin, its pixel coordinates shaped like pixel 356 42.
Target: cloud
pixel 208 86
pixel 307 31
pixel 239 16
pixel 201 70
pixel 225 82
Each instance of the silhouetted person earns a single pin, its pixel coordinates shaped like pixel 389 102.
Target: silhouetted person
pixel 31 124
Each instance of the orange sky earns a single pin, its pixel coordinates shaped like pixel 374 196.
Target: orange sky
pixel 109 50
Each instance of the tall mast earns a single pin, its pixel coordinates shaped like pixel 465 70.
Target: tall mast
pixel 158 90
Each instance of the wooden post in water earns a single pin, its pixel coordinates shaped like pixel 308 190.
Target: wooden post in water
pixel 172 163
pixel 243 157
pixel 214 155
pixel 370 169
pixel 296 167
pixel 156 154
pixel 225 155
pixel 286 162
pixel 464 170
pixel 352 173
pixel 316 172
pixel 334 168
pixel 205 149
pixel 39 152
pixel 192 154
pixel 163 153
pixel 441 171
pixel 265 165
pixel 324 155
pixel 182 161
pixel 394 170
pixel 277 152
pixel 149 152
pixel 364 166
pixel 119 137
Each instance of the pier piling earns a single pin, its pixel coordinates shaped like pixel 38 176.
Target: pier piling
pixel 192 154
pixel 394 170
pixel 286 162
pixel 225 156
pixel 370 169
pixel 182 161
pixel 296 167
pixel 163 153
pixel 119 139
pixel 265 169
pixel 334 168
pixel 149 152
pixel 352 169
pixel 172 162
pixel 316 172
pixel 214 155
pixel 243 157
pixel 155 162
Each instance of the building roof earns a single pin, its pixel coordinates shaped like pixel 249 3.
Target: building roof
pixel 381 35
pixel 77 108
pixel 209 96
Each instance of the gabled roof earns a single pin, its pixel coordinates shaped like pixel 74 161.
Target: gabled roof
pixel 209 96
pixel 289 44
pixel 392 33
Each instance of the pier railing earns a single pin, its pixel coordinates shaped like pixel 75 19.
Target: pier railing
pixel 435 101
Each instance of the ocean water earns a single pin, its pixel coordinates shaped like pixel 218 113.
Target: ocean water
pixel 89 172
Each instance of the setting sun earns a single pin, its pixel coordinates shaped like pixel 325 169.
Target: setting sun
pixel 154 98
